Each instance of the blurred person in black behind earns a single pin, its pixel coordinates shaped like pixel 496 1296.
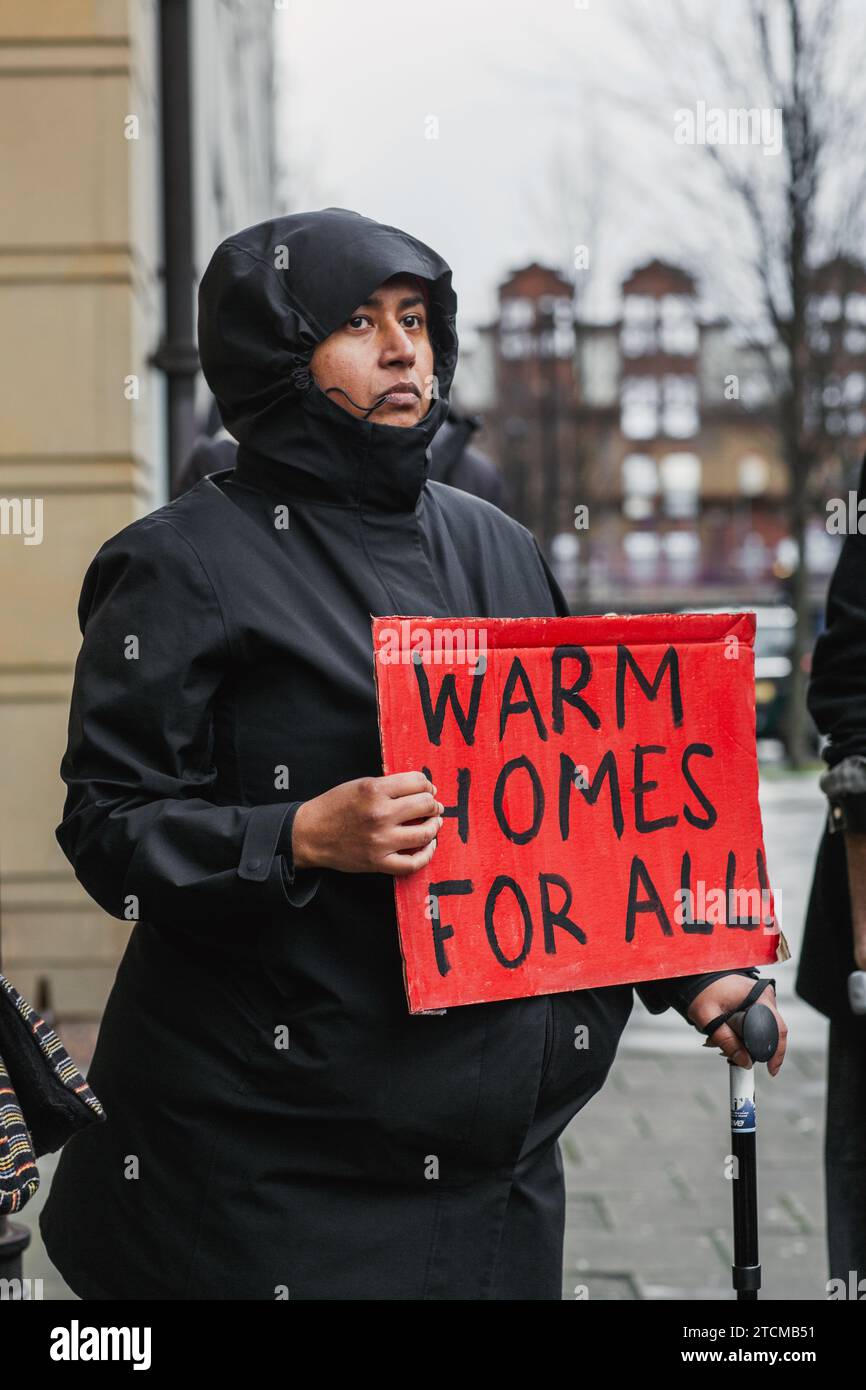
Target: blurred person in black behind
pixel 225 792
pixel 834 940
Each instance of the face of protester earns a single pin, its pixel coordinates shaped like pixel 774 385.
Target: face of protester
pixel 384 346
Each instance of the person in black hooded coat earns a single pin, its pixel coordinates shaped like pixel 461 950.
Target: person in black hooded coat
pixel 224 703
pixel 834 931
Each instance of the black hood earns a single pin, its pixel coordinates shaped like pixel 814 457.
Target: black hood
pixel 272 292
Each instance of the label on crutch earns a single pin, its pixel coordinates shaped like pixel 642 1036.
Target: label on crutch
pixel 743 1101
pixel 743 1116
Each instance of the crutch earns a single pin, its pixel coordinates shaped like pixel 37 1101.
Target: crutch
pixel 756 1025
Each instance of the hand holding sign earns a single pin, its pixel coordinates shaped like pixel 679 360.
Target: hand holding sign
pixel 369 825
pixel 599 778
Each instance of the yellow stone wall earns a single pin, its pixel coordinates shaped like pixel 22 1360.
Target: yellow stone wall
pixel 80 301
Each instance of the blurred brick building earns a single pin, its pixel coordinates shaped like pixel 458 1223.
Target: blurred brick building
pixel 665 428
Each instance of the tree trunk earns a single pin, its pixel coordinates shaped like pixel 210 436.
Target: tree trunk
pixel 797 713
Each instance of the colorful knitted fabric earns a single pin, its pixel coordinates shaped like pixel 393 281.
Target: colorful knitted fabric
pixel 44 1099
pixel 19 1176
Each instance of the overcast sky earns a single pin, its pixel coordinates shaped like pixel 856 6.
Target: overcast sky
pixel 512 86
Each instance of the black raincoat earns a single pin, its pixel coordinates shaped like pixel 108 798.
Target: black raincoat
pixel 226 675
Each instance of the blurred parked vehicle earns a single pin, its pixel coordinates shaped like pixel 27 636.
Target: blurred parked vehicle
pixel 774 640
pixel 774 637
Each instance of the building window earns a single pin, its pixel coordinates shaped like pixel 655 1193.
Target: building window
pixel 832 393
pixel 638 336
pixel 517 319
pixel 639 407
pixel 682 550
pixel 565 555
pixel 516 345
pixel 565 341
pixel 542 327
pixel 855 318
pixel 518 313
pixel 755 390
pixel 681 484
pixel 680 414
pixel 829 307
pixel 642 555
pixel 659 324
pixel 556 306
pixel 753 556
pixel 753 474
pixel 640 484
pixel 842 401
pixel 679 331
pixel 855 309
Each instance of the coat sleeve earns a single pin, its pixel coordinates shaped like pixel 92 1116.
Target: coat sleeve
pixel 142 825
pixel 679 991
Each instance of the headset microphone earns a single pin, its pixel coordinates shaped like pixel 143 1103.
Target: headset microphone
pixel 365 410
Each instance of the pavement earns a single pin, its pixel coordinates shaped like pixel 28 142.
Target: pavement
pixel 649 1206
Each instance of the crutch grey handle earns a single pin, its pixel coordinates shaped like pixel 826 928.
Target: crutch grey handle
pixel 762 1030
pixel 758 1029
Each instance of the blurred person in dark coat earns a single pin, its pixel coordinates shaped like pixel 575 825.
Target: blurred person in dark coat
pixel 834 941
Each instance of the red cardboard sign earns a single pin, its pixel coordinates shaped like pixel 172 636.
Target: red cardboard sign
pixel 600 780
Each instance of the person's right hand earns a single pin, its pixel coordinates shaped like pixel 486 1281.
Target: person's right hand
pixel 363 826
